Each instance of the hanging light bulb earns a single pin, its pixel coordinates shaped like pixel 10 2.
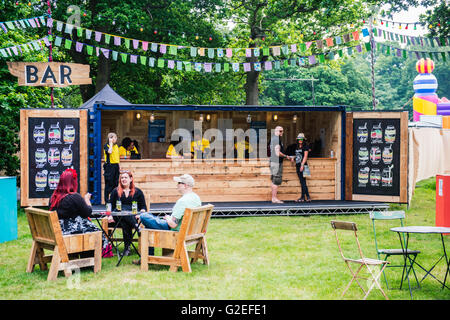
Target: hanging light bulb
pixel 208 117
pixel 249 118
pixel 294 118
pixel 196 37
pixel 138 116
pixel 152 118
pixel 275 117
pixel 201 117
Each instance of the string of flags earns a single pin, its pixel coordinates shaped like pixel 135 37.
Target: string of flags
pixel 298 49
pixel 35 22
pixel 173 49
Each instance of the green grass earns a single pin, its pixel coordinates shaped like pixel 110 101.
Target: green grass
pixel 250 258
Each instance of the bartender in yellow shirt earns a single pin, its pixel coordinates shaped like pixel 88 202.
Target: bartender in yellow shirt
pixel 200 146
pixel 243 149
pixel 111 166
pixel 125 148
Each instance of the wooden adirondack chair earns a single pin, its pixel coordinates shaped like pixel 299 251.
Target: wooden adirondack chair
pixel 47 234
pixel 174 243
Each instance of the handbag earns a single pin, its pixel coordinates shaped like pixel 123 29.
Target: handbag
pixel 107 251
pixel 306 171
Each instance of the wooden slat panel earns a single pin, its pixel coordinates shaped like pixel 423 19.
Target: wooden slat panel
pixel 221 181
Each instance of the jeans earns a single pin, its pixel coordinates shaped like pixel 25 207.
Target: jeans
pixel 302 183
pixel 151 222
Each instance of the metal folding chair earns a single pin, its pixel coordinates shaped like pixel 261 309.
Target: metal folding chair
pixel 362 261
pixel 400 216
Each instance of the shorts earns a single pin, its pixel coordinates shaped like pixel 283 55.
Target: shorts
pixel 276 173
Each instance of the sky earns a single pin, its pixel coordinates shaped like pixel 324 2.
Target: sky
pixel 411 15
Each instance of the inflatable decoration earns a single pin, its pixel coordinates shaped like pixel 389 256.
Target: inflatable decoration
pixel 425 100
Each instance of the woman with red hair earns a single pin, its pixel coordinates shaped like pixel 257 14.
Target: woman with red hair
pixel 73 210
pixel 127 193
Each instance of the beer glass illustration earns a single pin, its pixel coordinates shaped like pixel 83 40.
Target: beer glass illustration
pixel 375 177
pixel 389 134
pixel 53 179
pixel 363 176
pixel 388 154
pixel 363 155
pixel 39 133
pixel 54 134
pixel 375 154
pixel 386 178
pixel 67 156
pixel 53 156
pixel 40 156
pixel 362 133
pixel 69 134
pixel 376 134
pixel 40 180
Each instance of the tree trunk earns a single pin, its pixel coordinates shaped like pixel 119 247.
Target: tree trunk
pixel 103 72
pixel 252 88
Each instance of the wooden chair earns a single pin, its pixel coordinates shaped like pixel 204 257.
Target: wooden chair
pixel 362 261
pixel 47 234
pixel 174 243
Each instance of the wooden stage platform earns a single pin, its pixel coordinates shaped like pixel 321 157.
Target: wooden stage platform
pixel 289 208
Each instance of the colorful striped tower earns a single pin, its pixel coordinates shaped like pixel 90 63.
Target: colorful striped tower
pixel 425 85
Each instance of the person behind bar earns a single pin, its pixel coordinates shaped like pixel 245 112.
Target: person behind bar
pixel 127 193
pixel 200 146
pixel 189 199
pixel 125 148
pixel 277 156
pixel 135 150
pixel 172 153
pixel 111 165
pixel 301 153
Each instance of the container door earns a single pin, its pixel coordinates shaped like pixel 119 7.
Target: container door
pixel 376 161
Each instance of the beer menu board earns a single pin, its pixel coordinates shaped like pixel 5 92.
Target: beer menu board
pixel 376 156
pixel 53 146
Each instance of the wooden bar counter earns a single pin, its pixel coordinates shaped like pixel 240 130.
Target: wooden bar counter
pixel 222 181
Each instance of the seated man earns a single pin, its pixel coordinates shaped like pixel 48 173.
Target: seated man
pixel 189 199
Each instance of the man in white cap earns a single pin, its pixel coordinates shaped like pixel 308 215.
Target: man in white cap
pixel 189 199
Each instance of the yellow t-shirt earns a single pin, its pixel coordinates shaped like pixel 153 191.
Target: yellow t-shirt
pixel 135 150
pixel 124 152
pixel 241 147
pixel 114 157
pixel 199 145
pixel 172 152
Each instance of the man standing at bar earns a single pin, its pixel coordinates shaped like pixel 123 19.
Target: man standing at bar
pixel 276 162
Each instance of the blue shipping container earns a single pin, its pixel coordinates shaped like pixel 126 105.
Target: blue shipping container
pixel 8 209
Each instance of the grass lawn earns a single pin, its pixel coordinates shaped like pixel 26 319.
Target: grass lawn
pixel 290 258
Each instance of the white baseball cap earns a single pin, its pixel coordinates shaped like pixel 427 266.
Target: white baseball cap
pixel 186 179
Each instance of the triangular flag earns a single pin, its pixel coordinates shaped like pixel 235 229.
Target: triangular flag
pixel 154 47
pixel 124 57
pixel 355 35
pixel 187 66
pixel 210 53
pixel 226 67
pixel 105 52
pixel 151 62
pixel 247 67
pixel 107 38
pixel 117 41
pixel 78 46
pixel 133 58
pixel 160 63
pixel 135 43
pixel 319 44
pixel 114 55
pixel 170 64
pixel 88 34
pixel 229 53
pixel 266 51
pixel 312 59
pixel 267 65
pixel 144 45
pixel 127 43
pixel 89 50
pixel 173 50
pixel 207 66
pixel 143 60
pixel 218 67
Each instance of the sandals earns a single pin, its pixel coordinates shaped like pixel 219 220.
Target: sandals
pixel 308 199
pixel 300 200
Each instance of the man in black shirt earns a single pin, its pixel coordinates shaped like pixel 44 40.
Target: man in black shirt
pixel 277 156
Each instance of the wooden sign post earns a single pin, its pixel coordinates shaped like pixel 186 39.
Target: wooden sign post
pixel 50 74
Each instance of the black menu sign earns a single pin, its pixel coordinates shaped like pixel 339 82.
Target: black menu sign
pixel 53 146
pixel 376 156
